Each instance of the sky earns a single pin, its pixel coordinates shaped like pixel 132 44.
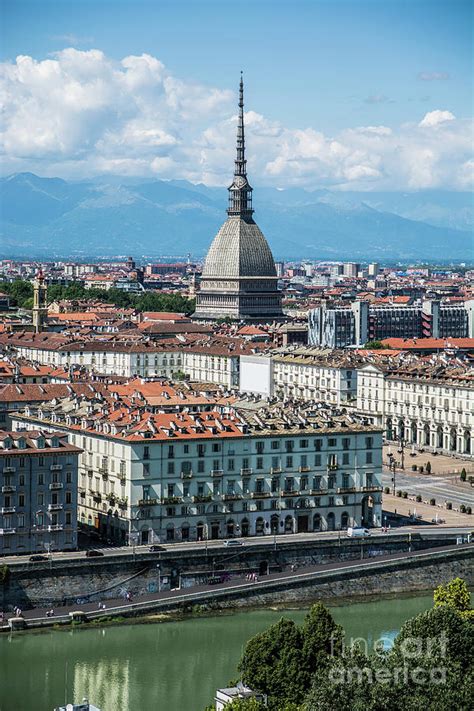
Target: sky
pixel 343 94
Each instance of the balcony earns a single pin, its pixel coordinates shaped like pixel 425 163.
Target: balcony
pixel 186 475
pixel 232 497
pixel 347 490
pixel 148 502
pixel 9 470
pixel 319 492
pixel 7 531
pixel 333 467
pixel 260 494
pixel 55 507
pixel 246 472
pixel 8 489
pixel 8 509
pixel 275 470
pixel 202 499
pixel 96 495
pixel 217 472
pixel 171 500
pixel 304 469
pixel 55 527
pixel 291 492
pixel 55 485
pixel 56 467
pixel 374 489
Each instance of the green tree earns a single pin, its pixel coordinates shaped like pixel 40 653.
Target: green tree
pixel 322 638
pixel 463 474
pixel 374 345
pixel 454 594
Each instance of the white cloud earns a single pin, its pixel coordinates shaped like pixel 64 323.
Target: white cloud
pixel 80 113
pixel 433 76
pixel 435 118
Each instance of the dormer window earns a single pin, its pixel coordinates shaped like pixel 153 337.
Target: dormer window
pixel 21 443
pixel 40 442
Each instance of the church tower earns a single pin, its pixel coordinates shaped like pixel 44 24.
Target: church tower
pixel 40 306
pixel 239 280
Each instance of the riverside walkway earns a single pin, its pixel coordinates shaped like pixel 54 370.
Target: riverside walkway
pixel 203 594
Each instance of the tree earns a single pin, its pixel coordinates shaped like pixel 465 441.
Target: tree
pixel 463 474
pixel 428 467
pixel 322 638
pixel 454 594
pixel 374 345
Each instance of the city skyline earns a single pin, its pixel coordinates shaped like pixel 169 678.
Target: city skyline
pixel 151 103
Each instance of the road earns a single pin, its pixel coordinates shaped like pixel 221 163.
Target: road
pixel 267 541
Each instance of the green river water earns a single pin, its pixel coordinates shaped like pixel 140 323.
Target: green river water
pixel 173 666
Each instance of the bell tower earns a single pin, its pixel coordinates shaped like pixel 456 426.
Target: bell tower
pixel 40 306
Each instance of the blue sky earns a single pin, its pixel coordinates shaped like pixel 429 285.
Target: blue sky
pixel 323 65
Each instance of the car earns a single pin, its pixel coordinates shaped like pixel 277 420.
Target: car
pixel 215 580
pixel 233 542
pixel 155 548
pixel 93 553
pixel 38 558
pixel 356 532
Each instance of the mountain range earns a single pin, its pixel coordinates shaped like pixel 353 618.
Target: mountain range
pixel 108 216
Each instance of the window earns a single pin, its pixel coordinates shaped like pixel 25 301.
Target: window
pixel 69 477
pixel 231 465
pixel 200 466
pixel 231 487
pixel 68 518
pixel 200 488
pixel 20 520
pixel 259 505
pixel 331 501
pixel 146 470
pixel 185 489
pixel 216 447
pixel 369 442
pixel 186 449
pixel 21 480
pixel 304 483
pixel 317 460
pixel 289 484
pixel 21 500
pixel 345 457
pixel 215 488
pixel 40 479
pixel 303 443
pixel 289 462
pixel 260 447
pixel 316 482
pixel 245 463
pixel 368 457
pixel 259 486
pixel 318 445
pixel 245 485
pixel 171 451
pixel 345 481
pixel 170 490
pixel 304 460
pixel 369 479
pixel 146 452
pixel 331 481
pixel 201 450
pixel 68 497
pixel 332 442
pixel 275 484
pixel 170 467
pixel 170 511
pixel 146 493
pixel 289 445
pixel 40 461
pixel 40 499
pixel 275 444
pixel 259 464
pixel 346 442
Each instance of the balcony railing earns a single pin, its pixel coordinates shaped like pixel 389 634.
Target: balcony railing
pixel 8 509
pixel 232 497
pixel 373 488
pixel 217 472
pixel 148 502
pixel 289 492
pixel 9 470
pixel 304 469
pixel 56 485
pixel 7 531
pixel 172 500
pixel 246 472
pixel 275 470
pixel 8 489
pixel 55 507
pixel 187 475
pixel 202 499
pixel 347 490
pixel 260 494
pixel 319 492
pixel 56 467
pixel 55 527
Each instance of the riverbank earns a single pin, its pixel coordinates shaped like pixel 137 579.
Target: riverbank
pixel 412 572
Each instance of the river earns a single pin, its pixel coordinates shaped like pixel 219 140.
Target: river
pixel 173 666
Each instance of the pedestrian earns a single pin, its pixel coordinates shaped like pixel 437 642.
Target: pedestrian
pixel 103 605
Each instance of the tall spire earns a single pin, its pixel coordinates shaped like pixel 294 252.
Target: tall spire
pixel 240 192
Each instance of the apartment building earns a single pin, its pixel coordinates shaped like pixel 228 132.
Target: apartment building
pixel 426 404
pixel 302 374
pixel 152 477
pixel 38 499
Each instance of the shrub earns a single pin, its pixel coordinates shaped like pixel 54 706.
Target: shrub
pixel 418 498
pixel 414 467
pixel 428 467
pixel 449 505
pixel 463 474
pixel 433 502
pixel 421 469
pixel 468 509
pixel 405 494
pixel 462 508
pixel 386 490
pixel 399 493
pixel 4 574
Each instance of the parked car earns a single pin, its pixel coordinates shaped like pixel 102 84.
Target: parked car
pixel 355 532
pixel 233 542
pixel 93 553
pixel 155 548
pixel 216 580
pixel 37 558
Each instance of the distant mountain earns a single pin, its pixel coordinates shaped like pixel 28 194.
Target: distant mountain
pixel 109 216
